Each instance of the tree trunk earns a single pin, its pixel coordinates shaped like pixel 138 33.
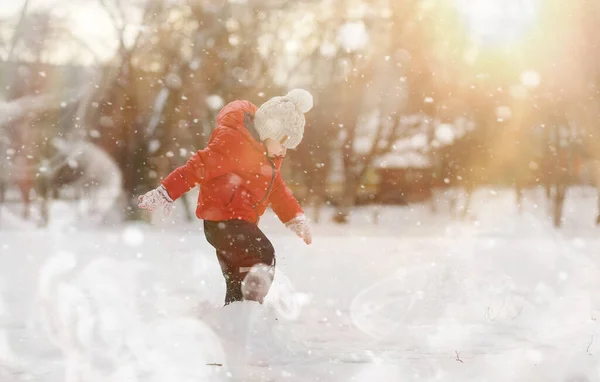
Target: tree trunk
pixel 519 195
pixel 596 180
pixel 2 194
pixel 317 203
pixel 133 178
pixel 560 191
pixel 598 213
pixel 468 190
pixel 348 198
pixel 135 150
pixel 18 31
pixel 187 207
pixel 433 202
pixel 44 193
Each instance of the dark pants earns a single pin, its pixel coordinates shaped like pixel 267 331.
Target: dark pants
pixel 240 246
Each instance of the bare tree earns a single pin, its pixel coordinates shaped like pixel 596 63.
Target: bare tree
pixel 19 30
pixel 403 47
pixel 117 103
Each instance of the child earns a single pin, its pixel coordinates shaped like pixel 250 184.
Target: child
pixel 238 174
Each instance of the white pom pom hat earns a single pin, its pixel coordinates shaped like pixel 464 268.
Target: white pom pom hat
pixel 282 117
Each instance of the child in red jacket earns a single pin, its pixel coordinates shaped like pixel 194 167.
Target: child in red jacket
pixel 238 174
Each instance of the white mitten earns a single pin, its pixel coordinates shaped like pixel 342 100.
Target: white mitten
pixel 300 226
pixel 159 197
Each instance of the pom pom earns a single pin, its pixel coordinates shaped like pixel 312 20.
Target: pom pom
pixel 301 98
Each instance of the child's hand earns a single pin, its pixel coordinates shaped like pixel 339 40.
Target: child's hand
pixel 300 226
pixel 156 198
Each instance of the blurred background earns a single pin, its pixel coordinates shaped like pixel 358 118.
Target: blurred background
pixel 416 101
pixel 451 166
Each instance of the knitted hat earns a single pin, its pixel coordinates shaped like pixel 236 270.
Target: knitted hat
pixel 284 116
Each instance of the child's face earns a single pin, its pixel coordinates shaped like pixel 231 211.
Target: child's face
pixel 274 148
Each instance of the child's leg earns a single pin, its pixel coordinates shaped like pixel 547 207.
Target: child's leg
pixel 233 284
pixel 240 246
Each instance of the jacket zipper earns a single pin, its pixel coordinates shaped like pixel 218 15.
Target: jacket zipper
pixel 249 124
pixel 268 188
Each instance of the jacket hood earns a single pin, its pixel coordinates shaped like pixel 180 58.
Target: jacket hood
pixel 238 115
pixel 232 115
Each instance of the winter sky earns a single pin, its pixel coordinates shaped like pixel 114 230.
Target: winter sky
pixel 489 23
pixel 85 18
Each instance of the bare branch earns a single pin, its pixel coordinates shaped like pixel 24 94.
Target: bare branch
pixel 18 29
pixel 492 319
pixel 458 357
pixel 85 46
pixel 119 26
pixel 120 11
pixel 399 129
pixel 148 10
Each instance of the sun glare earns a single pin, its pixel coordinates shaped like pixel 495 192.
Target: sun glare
pixel 498 22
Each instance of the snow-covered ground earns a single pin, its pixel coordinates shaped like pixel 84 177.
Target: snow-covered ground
pixel 501 297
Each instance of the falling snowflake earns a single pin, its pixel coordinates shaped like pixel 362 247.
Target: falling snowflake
pixel 173 81
pixel 328 49
pixel 153 146
pixel 530 79
pixel 353 36
pixel 444 133
pixel 503 112
pixel 518 92
pixel 215 102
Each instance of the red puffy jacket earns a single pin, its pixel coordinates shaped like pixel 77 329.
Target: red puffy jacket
pixel 237 179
